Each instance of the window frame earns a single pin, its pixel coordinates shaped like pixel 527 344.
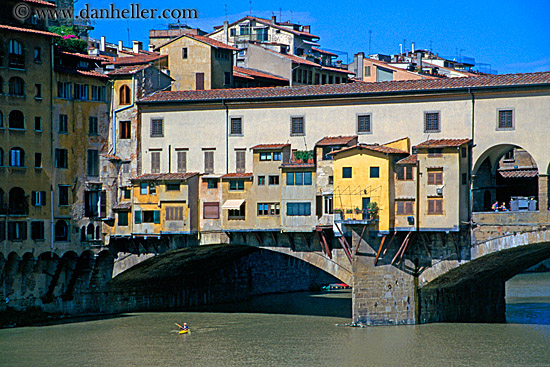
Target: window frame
pixel 434 209
pixel 303 124
pixel 375 170
pixel 435 112
pixel 154 130
pixel 241 130
pixel 359 131
pixel 345 170
pixel 402 209
pixel 513 119
pixel 435 176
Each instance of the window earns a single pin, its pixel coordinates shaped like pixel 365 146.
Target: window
pixel 125 130
pixel 276 156
pixel 240 162
pixel 137 216
pixel 37 230
pixel 123 219
pixel 63 124
pixel 37 54
pixel 174 213
pixel 17 157
pixel 435 206
pixel 38 123
pixel 124 95
pixel 274 180
pixel 298 178
pixel 184 52
pixel 232 32
pixel 435 176
pixel 16 58
pixel 265 156
pixel 237 213
pixel 269 209
pixel 155 162
pixel 152 188
pixel 143 188
pixel 212 183
pixel 37 160
pixel 93 162
pixel 464 152
pixel 431 122
pixel 346 172
pixel 61 158
pixel 38 198
pixel 16 120
pixel 64 90
pixel 17 201
pixel 63 195
pixel 374 172
pixel 464 178
pixel 435 152
pixel 17 231
pixel 125 167
pixel 38 91
pixel 92 126
pixel 404 207
pixel 173 186
pixel 98 93
pixel 236 126
pixel 328 204
pixel 261 180
pixel 209 161
pixel 16 86
pixel 367 70
pixel 404 172
pixel 236 185
pixel 297 126
pixel 126 193
pixel 182 161
pixel 1 114
pixel 150 216
pixel 295 209
pixel 227 78
pixel 211 211
pixel 81 91
pixel 505 119
pixel 91 204
pixel 157 128
pixel 1 165
pixel 364 124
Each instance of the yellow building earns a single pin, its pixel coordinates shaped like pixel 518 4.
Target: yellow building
pixel 237 210
pixel 199 62
pixel 363 183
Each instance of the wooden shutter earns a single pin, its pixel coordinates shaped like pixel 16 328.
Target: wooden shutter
pixel 43 197
pixel 199 81
pixel 211 210
pixel 103 204
pixel 182 161
pixel 399 208
pixel 400 172
pixel 137 216
pixel 23 230
pixel 408 173
pixel 33 198
pixel 438 206
pixel 409 207
pixel 209 161
pixel 156 216
pixel 431 206
pixel 155 162
pixel 240 159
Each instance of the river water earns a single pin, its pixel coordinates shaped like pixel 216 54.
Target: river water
pixel 301 329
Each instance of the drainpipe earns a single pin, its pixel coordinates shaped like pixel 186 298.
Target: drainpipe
pixel 417 194
pixel 226 136
pixel 52 150
pixel 113 119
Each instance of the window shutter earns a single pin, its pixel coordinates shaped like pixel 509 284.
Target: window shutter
pixel 182 162
pixel 408 172
pixel 240 157
pixel 409 208
pixel 211 210
pixel 209 162
pixel 399 207
pixel 23 228
pixel 33 198
pixel 156 216
pixel 137 216
pixel 155 162
pixel 400 170
pixel 439 178
pixel 431 206
pixel 43 197
pixel 103 204
pixel 439 206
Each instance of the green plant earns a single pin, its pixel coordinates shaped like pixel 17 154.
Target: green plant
pixel 69 40
pixel 372 207
pixel 303 155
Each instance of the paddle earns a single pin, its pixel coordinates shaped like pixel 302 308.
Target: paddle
pixel 178 325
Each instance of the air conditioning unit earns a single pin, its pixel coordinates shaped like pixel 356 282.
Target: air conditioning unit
pixel 439 191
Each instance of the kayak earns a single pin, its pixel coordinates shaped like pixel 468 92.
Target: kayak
pixel 183 331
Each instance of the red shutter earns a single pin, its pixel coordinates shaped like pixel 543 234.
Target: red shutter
pixel 199 81
pixel 211 210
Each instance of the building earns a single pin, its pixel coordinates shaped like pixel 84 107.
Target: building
pixel 159 37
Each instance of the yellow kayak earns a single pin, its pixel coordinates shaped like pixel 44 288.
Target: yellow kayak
pixel 183 331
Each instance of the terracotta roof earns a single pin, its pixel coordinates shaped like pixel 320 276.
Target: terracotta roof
pixel 236 74
pixel 519 173
pixel 269 146
pixel 28 30
pixel 323 51
pixel 238 175
pixel 256 73
pixel 298 165
pixel 442 143
pixel 408 160
pixel 83 56
pixel 164 176
pixel 336 140
pixel 40 2
pixel 334 90
pixel 210 41
pixel 134 60
pixel 338 70
pixel 123 206
pixel 111 157
pixel 267 22
pixel 295 59
pixel 129 70
pixel 68 70
pixel 373 147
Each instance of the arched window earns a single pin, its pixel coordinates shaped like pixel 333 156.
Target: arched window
pixel 18 201
pixel 16 120
pixel 16 57
pixel 98 232
pixel 90 232
pixel 83 233
pixel 61 231
pixel 124 95
pixel 16 86
pixel 17 157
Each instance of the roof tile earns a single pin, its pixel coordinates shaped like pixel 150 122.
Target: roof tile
pixel 336 140
pixel 269 146
pixel 28 30
pixel 373 147
pixel 519 173
pixel 164 176
pixel 256 73
pixel 238 175
pixel 411 159
pixel 442 143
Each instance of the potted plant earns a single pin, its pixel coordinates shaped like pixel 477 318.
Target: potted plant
pixel 349 211
pixel 372 208
pixel 358 211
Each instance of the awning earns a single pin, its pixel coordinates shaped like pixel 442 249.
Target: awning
pixel 311 43
pixel 233 204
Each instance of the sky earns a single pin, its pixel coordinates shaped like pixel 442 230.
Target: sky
pixel 507 36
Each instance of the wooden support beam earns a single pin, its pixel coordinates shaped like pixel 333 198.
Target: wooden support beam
pixel 230 235
pixel 380 250
pixel 259 238
pixel 274 238
pixel 306 239
pixel 453 237
pixel 406 247
pixel 244 237
pixel 344 244
pixel 401 247
pixel 360 239
pixel 324 244
pixel 425 240
pixel 291 240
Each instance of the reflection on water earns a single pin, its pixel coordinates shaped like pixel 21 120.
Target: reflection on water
pixel 281 331
pixel 528 299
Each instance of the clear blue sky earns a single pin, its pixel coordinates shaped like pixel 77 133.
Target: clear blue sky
pixel 511 36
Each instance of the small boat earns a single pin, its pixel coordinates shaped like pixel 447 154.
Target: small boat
pixel 335 286
pixel 183 331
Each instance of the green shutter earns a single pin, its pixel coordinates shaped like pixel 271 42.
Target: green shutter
pixel 137 215
pixel 156 216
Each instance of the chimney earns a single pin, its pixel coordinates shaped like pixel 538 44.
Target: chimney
pixel 151 48
pixel 136 46
pixel 273 19
pixel 120 46
pixel 419 61
pixel 226 32
pixel 306 28
pixel 102 44
pixel 412 48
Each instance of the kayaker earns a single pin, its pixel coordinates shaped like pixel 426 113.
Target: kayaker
pixel 185 327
